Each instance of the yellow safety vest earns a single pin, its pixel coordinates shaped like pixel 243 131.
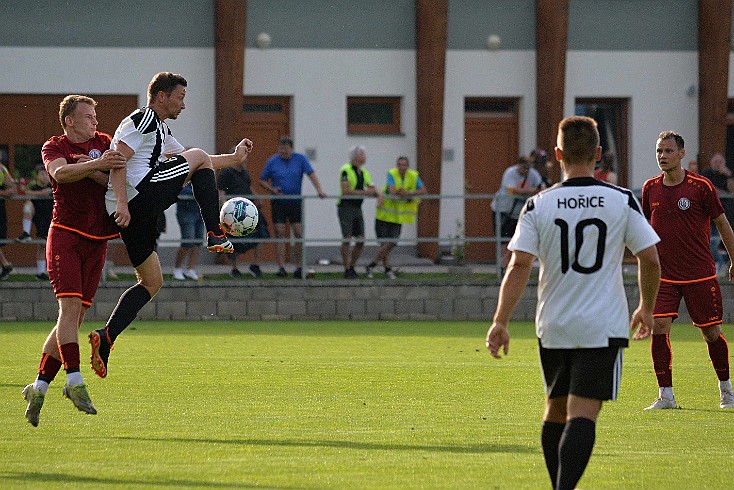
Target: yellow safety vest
pixel 400 210
pixel 352 178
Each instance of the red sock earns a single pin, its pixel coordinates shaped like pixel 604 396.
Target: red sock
pixel 719 354
pixel 662 359
pixel 48 368
pixel 70 356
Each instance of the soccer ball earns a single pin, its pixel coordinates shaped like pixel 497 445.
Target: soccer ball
pixel 238 216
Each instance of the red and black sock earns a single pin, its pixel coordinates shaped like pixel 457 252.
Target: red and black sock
pixel 48 368
pixel 662 359
pixel 719 354
pixel 70 357
pixel 205 192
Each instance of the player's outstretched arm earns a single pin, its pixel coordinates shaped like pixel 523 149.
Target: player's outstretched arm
pixel 240 153
pixel 727 237
pixel 513 286
pixel 64 173
pixel 648 280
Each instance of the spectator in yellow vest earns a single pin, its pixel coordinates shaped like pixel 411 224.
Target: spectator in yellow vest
pixel 398 205
pixel 354 181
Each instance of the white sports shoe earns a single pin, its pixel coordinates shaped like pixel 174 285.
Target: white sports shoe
pixel 727 399
pixel 178 275
pixel 191 274
pixel 662 404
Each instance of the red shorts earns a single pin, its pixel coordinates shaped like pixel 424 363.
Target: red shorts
pixel 703 300
pixel 75 264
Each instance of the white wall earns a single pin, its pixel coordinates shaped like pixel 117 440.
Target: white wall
pixel 320 80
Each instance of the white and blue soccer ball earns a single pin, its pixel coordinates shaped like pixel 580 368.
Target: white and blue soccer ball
pixel 238 216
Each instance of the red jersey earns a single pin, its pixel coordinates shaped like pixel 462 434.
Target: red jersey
pixel 79 206
pixel 681 215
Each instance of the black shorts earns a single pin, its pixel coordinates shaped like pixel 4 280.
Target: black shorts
pixel 507 225
pixel 155 195
pixel 3 222
pixel 387 232
pixel 242 244
pixel 590 373
pixel 42 216
pixel 286 210
pixel 351 221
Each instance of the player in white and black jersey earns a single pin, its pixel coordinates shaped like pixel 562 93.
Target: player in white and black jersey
pixel 578 229
pixel 157 168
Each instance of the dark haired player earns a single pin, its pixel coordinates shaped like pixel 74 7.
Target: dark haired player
pixel 77 243
pixel 578 229
pixel 157 168
pixel 680 206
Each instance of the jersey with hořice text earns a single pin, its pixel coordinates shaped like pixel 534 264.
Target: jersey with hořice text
pixel 579 229
pixel 79 206
pixel 151 140
pixel 681 215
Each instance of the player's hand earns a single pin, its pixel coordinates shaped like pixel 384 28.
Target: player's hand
pixel 243 149
pixel 111 160
pixel 81 158
pixel 322 194
pixel 498 336
pixel 641 323
pixel 122 215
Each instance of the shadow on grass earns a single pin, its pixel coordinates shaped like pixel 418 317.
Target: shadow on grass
pixel 36 478
pixel 449 448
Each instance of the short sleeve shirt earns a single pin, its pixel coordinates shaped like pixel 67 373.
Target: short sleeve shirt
pixel 681 215
pixel 579 229
pixel 79 206
pixel 287 174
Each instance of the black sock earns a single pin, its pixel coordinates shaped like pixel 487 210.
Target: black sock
pixel 574 451
pixel 130 303
pixel 550 439
pixel 207 196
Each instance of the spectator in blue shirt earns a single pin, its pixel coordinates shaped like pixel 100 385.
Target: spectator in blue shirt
pixel 283 175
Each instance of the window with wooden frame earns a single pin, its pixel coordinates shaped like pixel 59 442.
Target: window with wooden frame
pixel 373 115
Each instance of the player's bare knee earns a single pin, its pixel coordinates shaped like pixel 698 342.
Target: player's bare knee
pixel 712 333
pixel 197 159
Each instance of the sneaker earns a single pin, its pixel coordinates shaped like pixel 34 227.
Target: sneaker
pixel 281 272
pixel 101 347
pixel 347 274
pixel 727 399
pixel 42 276
pixel 191 274
pixel 662 404
pixel 255 270
pixel 235 273
pixel 35 402
pixel 298 273
pixel 6 272
pixel 80 398
pixel 24 238
pixel 178 275
pixel 218 244
pixel 390 274
pixel 369 270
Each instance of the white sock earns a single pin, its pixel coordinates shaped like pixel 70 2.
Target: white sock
pixel 41 266
pixel 667 392
pixel 725 385
pixel 75 378
pixel 40 386
pixel 27 225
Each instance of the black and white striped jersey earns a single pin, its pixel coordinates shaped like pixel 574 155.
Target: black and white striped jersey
pixel 151 140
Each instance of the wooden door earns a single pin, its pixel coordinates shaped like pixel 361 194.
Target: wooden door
pixel 491 145
pixel 265 119
pixel 30 121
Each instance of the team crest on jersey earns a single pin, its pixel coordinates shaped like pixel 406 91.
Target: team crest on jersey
pixel 94 154
pixel 684 203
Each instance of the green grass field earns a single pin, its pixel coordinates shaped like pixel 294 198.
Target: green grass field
pixel 344 405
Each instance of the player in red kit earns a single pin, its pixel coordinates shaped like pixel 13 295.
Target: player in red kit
pixel 681 206
pixel 77 243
